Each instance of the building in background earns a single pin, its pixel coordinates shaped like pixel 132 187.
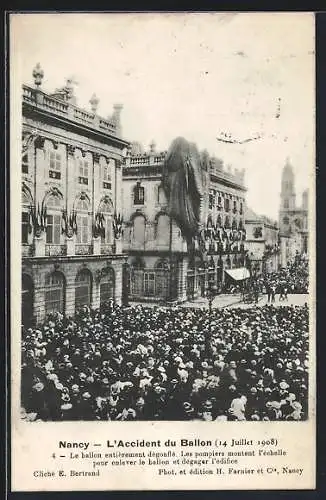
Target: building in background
pixel 71 201
pixel 159 266
pixel 293 219
pixel 262 243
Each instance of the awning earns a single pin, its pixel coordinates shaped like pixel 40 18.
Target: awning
pixel 239 274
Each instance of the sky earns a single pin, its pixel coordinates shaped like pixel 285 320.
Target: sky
pixel 195 75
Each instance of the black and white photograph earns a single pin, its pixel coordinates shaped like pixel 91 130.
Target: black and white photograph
pixel 166 194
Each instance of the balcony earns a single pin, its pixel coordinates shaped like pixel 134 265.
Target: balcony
pixel 83 249
pixel 106 249
pixel 55 250
pixel 27 250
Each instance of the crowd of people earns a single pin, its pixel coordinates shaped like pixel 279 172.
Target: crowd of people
pixel 292 279
pixel 142 363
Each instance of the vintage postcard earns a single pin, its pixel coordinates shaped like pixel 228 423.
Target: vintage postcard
pixel 163 251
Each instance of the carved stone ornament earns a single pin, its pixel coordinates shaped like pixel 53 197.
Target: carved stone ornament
pixel 71 150
pixel 96 157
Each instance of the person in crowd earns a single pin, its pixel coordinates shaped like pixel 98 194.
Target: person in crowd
pixel 141 363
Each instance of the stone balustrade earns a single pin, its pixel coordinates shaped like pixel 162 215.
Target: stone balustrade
pixel 41 100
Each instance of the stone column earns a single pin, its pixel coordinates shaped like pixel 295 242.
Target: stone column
pixel 118 194
pixel 70 295
pixel 71 177
pixel 96 197
pixel 118 282
pixel 39 303
pixel 96 293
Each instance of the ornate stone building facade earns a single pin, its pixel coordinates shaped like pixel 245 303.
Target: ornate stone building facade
pixel 157 253
pixel 71 200
pixel 293 219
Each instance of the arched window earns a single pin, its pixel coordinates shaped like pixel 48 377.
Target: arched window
pixel 83 222
pixel 83 289
pixel 54 293
pixel 139 230
pixel 83 171
pixel 106 175
pixel 227 222
pixel 162 229
pixel 227 204
pixel 139 194
pixel 107 286
pixel 55 165
pixel 53 219
pixel 219 221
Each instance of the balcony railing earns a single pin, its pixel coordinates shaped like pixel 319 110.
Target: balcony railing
pixel 27 250
pixel 107 249
pixel 83 249
pixel 55 250
pixel 139 160
pixel 54 105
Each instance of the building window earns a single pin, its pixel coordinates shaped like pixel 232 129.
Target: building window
pixel 149 283
pixel 227 204
pixel 139 194
pixel 53 229
pixel 25 164
pixel 286 220
pixel 25 227
pixel 82 229
pixel 211 201
pixel 286 203
pixel 227 223
pixel 53 220
pixel 107 176
pixel 55 165
pixel 235 209
pixel 83 170
pixel 83 289
pixel 83 223
pixel 54 293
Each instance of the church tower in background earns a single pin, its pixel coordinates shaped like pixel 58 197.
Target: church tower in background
pixel 293 220
pixel 287 198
